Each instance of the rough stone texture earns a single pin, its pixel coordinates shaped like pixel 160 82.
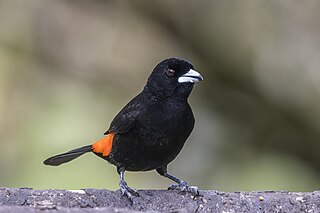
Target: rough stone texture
pixel 100 200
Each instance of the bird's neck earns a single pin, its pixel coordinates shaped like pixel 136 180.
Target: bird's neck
pixel 158 94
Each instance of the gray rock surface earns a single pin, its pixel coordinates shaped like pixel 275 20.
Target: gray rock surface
pixel 101 200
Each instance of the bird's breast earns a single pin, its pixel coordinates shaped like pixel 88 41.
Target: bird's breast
pixel 167 124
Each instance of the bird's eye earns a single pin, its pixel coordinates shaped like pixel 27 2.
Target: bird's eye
pixel 170 72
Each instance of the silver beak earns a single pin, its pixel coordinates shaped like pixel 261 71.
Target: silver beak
pixel 191 76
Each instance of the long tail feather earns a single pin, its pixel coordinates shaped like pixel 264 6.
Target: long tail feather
pixel 68 156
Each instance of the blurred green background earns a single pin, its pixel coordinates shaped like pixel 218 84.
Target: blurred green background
pixel 67 68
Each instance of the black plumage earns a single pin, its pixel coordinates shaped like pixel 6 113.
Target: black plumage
pixel 150 131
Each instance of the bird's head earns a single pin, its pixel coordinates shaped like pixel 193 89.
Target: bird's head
pixel 173 76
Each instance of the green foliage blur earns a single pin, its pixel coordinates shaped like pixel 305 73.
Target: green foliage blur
pixel 67 68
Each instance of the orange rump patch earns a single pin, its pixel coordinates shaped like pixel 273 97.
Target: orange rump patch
pixel 104 145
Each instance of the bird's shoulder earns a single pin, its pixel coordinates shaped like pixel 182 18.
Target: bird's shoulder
pixel 129 115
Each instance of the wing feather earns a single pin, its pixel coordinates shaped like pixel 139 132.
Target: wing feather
pixel 126 119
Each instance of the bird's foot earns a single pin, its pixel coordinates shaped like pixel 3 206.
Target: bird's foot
pixel 127 191
pixel 185 188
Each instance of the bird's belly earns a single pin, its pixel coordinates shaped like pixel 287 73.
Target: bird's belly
pixel 148 147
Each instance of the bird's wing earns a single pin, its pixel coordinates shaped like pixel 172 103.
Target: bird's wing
pixel 127 117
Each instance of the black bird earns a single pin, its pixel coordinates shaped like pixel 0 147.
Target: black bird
pixel 150 131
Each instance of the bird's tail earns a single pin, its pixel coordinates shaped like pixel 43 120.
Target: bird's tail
pixel 68 156
pixel 102 148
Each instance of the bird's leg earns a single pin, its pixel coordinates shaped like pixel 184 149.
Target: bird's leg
pixel 125 190
pixel 181 185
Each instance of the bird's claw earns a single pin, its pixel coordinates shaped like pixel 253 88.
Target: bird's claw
pixel 185 188
pixel 127 191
